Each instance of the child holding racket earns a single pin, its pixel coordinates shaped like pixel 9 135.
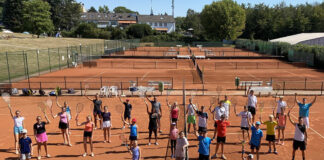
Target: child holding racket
pixel 68 111
pixel 97 107
pixel 256 138
pixel 271 136
pixel 153 123
pixel 282 119
pixel 246 118
pixel 63 125
pixel 40 135
pixel 106 124
pixel 18 125
pixel 221 135
pixel 25 146
pixel 133 131
pixel 135 151
pixel 173 138
pixel 87 134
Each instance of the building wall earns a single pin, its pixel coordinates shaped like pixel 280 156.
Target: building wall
pixel 316 41
pixel 170 26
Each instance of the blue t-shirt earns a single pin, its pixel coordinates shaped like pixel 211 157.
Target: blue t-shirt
pixel 133 130
pixel 304 109
pixel 68 110
pixel 257 134
pixel 204 143
pixel 136 153
pixel 24 144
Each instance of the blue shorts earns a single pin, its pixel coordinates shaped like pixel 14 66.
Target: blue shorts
pixel 97 112
pixel 17 130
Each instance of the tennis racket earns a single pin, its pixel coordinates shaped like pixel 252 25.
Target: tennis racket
pixel 273 105
pixel 6 97
pixel 42 106
pixel 86 87
pixel 261 106
pixel 169 92
pixel 213 100
pixel 219 90
pixel 290 102
pixel 242 142
pixel 79 108
pixel 119 108
pixel 193 94
pixel 123 138
pixel 49 103
pixel 233 101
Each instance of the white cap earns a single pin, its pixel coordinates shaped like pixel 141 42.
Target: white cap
pixel 24 131
pixel 250 156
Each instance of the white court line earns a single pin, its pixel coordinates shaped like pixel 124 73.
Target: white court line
pixel 311 128
pixel 94 76
pixel 145 75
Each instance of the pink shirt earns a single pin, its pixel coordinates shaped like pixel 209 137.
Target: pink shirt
pixel 174 113
pixel 63 117
pixel 282 120
pixel 174 134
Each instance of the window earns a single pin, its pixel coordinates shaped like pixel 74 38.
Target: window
pixel 160 24
pixel 165 24
pixel 156 24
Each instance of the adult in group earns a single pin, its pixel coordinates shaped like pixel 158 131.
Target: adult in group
pixel 127 110
pixel 153 120
pixel 191 115
pixel 87 134
pixel 252 103
pixel 18 126
pixel 204 145
pixel 97 107
pixel 156 108
pixel 227 105
pixel 300 138
pixel 68 111
pixel 106 124
pixel 304 109
pixel 40 135
pixel 63 125
pixel 281 104
pixel 218 111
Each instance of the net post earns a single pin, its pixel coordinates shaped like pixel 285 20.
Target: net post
pixel 322 89
pixel 136 81
pixel 49 60
pixel 121 88
pixel 283 88
pixel 23 55
pixel 65 82
pixel 40 85
pixel 184 114
pixel 37 52
pixel 81 88
pixel 58 52
pixel 101 82
pixel 9 77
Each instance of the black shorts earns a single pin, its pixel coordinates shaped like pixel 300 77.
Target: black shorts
pixel 97 112
pixel 174 120
pixel 127 116
pixel 299 144
pixel 255 147
pixel 252 110
pixel 245 128
pixel 203 157
pixel 87 134
pixel 215 125
pixel 133 138
pixel 221 139
pixel 271 138
pixel 63 125
pixel 202 129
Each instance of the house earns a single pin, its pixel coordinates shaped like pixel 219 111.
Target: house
pixel 162 23
pixel 303 38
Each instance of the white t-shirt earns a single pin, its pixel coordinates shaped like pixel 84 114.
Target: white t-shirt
pixel 280 104
pixel 245 116
pixel 18 121
pixel 252 100
pixel 218 112
pixel 226 106
pixel 179 152
pixel 299 135
pixel 191 110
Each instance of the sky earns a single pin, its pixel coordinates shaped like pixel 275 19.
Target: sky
pixel 181 6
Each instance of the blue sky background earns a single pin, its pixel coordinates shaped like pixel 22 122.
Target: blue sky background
pixel 181 6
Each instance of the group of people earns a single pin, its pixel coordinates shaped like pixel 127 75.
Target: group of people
pixel 178 141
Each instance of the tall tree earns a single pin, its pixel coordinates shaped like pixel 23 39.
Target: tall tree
pixel 223 20
pixel 92 9
pixel 1 8
pixel 37 17
pixel 121 9
pixel 12 15
pixel 103 9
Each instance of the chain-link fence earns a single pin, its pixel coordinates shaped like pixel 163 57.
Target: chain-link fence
pixel 21 65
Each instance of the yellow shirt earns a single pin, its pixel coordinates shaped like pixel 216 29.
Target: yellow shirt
pixel 270 127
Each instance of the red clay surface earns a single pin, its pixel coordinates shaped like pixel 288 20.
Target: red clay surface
pixel 114 150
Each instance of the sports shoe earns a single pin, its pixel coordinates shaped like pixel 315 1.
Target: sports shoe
pixel 17 152
pixel 156 143
pixel 223 156
pixel 269 151
pixel 160 131
pixel 123 127
pixel 39 157
pixel 92 154
pixel 149 144
pixel 48 156
pixel 214 156
pixel 84 154
pixel 275 151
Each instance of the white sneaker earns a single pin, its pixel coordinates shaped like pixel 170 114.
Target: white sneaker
pixel 123 127
pixel 223 156
pixel 92 154
pixel 214 156
pixel 156 143
pixel 84 154
pixel 149 144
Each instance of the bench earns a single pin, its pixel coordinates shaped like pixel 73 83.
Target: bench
pixel 262 90
pixel 179 46
pixel 156 83
pixel 183 56
pixel 251 83
pixel 172 53
pixel 200 57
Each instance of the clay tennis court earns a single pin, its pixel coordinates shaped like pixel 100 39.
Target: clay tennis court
pixel 114 150
pixel 123 73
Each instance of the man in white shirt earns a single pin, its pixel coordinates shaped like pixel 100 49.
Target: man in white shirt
pixel 191 115
pixel 218 111
pixel 252 103
pixel 280 104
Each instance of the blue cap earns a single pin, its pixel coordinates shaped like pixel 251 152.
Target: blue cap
pixel 257 123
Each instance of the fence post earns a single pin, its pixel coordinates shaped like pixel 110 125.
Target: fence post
pixel 67 57
pixel 81 88
pixel 37 53
pixel 136 81
pixel 305 83
pixel 283 88
pixel 203 89
pixel 49 60
pixel 40 85
pixel 322 89
pixel 65 82
pixel 172 83
pixel 27 70
pixel 23 55
pixel 81 51
pixel 121 88
pixel 58 52
pixel 8 67
pixel 101 82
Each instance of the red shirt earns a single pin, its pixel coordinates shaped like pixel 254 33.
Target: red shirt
pixel 174 113
pixel 221 128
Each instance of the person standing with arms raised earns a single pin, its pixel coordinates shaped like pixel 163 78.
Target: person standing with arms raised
pixel 127 111
pixel 97 107
pixel 304 109
pixel 252 103
pixel 156 107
